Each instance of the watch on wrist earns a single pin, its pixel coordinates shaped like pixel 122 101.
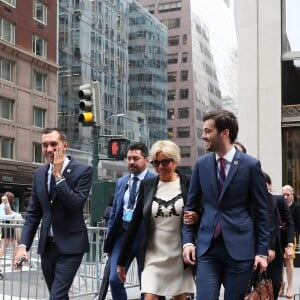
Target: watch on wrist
pixel 58 178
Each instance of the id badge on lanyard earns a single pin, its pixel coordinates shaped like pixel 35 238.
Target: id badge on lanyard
pixel 128 215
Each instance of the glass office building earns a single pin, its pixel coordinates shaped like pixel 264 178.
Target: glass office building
pixel 147 51
pixel 92 47
pixel 202 67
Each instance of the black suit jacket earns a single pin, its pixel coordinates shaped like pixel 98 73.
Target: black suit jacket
pixel 64 213
pixel 142 215
pixel 283 218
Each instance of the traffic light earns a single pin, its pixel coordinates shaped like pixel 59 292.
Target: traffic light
pixel 89 104
pixel 117 148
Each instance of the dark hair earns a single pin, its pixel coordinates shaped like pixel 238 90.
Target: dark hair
pixel 267 178
pixel 224 119
pixel 241 146
pixel 10 197
pixel 48 130
pixel 139 146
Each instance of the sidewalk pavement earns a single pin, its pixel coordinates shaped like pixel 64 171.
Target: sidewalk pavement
pixel 134 293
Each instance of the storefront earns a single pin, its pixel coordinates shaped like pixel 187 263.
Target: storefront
pixel 17 178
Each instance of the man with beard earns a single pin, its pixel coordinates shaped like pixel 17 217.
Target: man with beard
pixel 121 214
pixel 232 237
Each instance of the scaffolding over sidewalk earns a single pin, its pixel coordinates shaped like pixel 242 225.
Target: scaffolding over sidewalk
pixel 29 283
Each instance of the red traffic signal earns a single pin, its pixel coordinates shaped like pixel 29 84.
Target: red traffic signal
pixel 117 148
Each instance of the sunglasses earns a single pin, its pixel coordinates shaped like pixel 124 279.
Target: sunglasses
pixel 164 162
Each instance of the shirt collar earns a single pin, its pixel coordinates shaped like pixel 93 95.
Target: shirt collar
pixel 228 156
pixel 140 176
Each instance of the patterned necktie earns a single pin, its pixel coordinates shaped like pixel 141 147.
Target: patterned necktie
pixel 133 192
pixel 221 180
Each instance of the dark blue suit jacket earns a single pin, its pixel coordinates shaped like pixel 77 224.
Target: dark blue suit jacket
pixel 245 231
pixel 64 213
pixel 116 215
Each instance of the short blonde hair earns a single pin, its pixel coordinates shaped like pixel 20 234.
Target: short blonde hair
pixel 289 188
pixel 169 148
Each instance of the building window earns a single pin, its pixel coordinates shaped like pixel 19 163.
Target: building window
pixel 37 155
pixel 172 76
pixel 39 82
pixel 7 31
pixel 38 117
pixel 170 132
pixel 184 75
pixel 171 6
pixel 40 11
pixel 199 133
pixel 184 39
pixel 171 95
pixel 171 23
pixel 185 151
pixel 6 108
pixel 184 57
pixel 10 2
pixel 172 58
pixel 290 82
pixel 183 113
pixel 171 114
pixel 291 157
pixel 39 46
pixel 183 132
pixel 184 94
pixel 173 40
pixel 198 115
pixel 150 8
pixel 6 69
pixel 7 147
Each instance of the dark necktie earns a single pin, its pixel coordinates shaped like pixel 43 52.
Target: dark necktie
pixel 222 173
pixel 52 187
pixel 133 192
pixel 221 180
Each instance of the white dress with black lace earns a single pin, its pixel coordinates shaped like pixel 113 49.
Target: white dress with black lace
pixel 164 272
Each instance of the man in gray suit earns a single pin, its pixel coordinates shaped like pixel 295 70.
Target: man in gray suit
pixel 124 204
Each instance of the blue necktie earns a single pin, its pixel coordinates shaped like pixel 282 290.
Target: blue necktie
pixel 221 180
pixel 133 192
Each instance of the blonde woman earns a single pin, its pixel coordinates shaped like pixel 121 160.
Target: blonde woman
pixel 159 210
pixel 288 193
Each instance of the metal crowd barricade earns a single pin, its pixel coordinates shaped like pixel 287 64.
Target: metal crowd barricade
pixel 30 284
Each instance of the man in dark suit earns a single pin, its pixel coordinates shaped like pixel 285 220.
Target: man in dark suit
pixel 59 191
pixel 121 214
pixel 233 234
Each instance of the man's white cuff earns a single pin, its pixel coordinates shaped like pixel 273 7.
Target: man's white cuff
pixel 187 244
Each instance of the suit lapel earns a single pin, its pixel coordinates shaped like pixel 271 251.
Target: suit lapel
pixel 211 174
